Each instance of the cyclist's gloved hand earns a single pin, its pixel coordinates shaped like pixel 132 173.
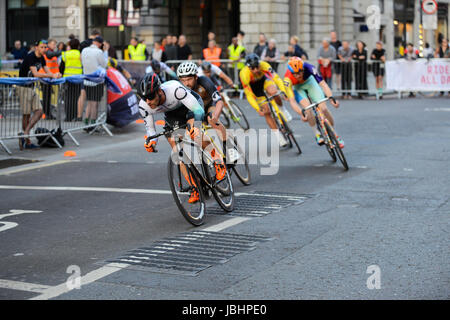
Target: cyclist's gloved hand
pixel 150 146
pixel 194 132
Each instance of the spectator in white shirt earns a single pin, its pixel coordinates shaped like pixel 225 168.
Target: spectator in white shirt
pixel 93 59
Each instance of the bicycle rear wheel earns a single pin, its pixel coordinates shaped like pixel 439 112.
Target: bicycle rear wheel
pixel 290 135
pixel 181 190
pixel 240 166
pixel 337 149
pixel 241 118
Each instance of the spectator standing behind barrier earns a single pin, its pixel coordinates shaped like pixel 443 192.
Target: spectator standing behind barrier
pixel 271 54
pixel 443 52
pixel 411 54
pixel 49 91
pixel 378 57
pixel 111 51
pixel 262 44
pixel 289 53
pixel 326 56
pixel 28 97
pixel 211 36
pixel 360 55
pixel 92 59
pixel 212 53
pixel 73 98
pixel 157 53
pixel 299 52
pixel 137 51
pixel 241 38
pixel 19 53
pixel 184 50
pixel 171 51
pixel 336 44
pixel 236 52
pixel 345 55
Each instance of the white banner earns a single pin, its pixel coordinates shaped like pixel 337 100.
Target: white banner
pixel 418 75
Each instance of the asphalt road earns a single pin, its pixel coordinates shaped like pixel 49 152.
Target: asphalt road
pixel 391 211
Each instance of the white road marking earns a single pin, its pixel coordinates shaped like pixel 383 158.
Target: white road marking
pixel 437 109
pixel 124 190
pixel 23 286
pixel 53 292
pixel 34 167
pixel 11 225
pixel 226 224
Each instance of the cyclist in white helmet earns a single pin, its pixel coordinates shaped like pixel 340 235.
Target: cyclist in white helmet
pixel 204 87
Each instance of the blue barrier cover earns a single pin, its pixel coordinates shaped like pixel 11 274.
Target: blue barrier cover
pixel 98 77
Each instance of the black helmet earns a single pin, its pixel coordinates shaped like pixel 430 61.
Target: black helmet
pixel 156 66
pixel 252 60
pixel 149 86
pixel 206 66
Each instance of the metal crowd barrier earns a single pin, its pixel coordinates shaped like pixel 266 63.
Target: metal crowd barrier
pixel 53 108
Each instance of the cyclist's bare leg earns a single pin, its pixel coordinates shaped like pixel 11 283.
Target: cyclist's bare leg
pixel 264 110
pixel 273 90
pixel 327 113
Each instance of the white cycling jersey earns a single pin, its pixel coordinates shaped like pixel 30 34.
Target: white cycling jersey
pixel 215 70
pixel 177 96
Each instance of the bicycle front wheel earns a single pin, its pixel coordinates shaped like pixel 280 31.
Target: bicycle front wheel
pixel 223 190
pixel 337 149
pixel 225 119
pixel 183 182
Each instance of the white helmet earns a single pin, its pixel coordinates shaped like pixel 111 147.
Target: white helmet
pixel 186 69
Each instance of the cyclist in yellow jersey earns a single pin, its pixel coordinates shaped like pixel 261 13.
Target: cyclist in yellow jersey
pixel 258 78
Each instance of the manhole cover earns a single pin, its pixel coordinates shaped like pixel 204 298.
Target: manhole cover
pixel 15 162
pixel 260 204
pixel 190 253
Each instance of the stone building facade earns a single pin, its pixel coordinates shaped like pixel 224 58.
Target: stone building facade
pixel 310 20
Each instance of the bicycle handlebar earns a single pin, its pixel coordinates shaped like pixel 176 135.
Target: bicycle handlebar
pixel 314 105
pixel 269 99
pixel 166 132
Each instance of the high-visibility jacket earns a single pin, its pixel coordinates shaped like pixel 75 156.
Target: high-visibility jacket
pixel 211 55
pixel 137 53
pixel 72 61
pixel 52 64
pixel 235 54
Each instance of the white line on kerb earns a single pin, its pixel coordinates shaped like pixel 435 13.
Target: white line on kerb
pixel 34 167
pixel 120 190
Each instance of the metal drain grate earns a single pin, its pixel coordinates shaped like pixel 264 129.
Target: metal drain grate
pixel 190 253
pixel 260 204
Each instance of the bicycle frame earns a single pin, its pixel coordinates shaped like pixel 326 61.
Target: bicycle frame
pixel 320 121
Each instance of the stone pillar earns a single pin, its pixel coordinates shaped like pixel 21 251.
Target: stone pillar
pixel 61 16
pixel 389 30
pixel 267 16
pixel 2 29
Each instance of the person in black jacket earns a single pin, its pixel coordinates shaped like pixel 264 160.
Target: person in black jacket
pixel 360 55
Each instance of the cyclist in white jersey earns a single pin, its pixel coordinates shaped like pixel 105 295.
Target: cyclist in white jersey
pixel 161 69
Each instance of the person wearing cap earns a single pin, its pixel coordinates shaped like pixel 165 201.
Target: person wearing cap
pixel 93 59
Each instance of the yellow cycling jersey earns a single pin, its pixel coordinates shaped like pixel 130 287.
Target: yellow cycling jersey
pixel 266 75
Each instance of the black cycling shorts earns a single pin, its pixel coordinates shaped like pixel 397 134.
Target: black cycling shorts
pixel 178 117
pixel 258 87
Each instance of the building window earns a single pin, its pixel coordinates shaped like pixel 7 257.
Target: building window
pixel 27 20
